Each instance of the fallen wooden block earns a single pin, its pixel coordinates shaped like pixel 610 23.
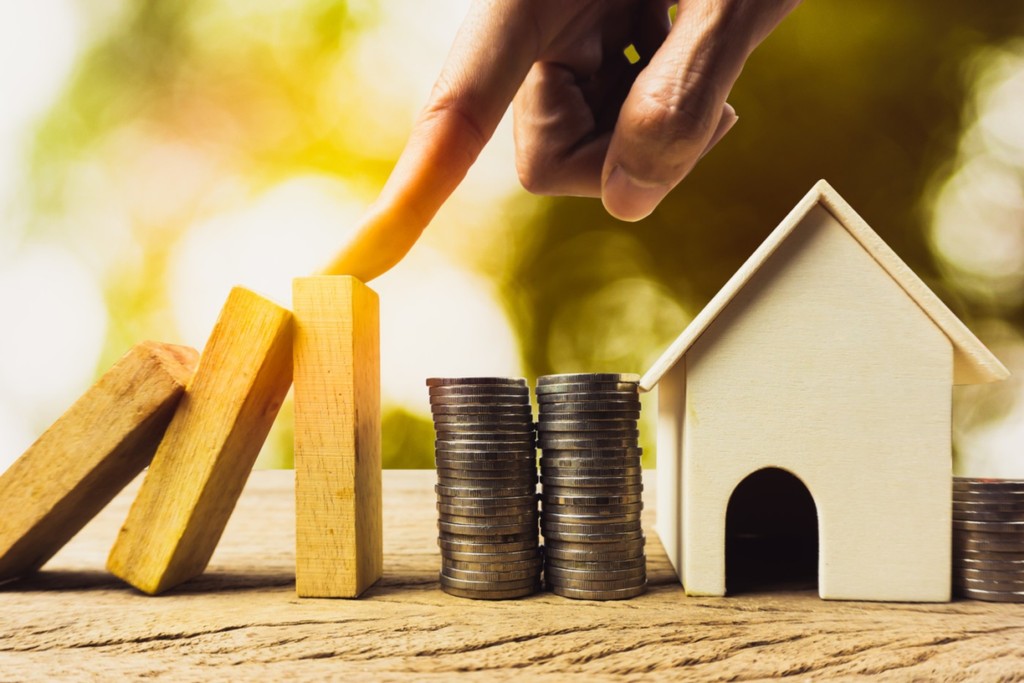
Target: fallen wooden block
pixel 89 454
pixel 204 459
pixel 338 511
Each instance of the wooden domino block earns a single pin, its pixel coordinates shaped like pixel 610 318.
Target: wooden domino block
pixel 338 512
pixel 204 459
pixel 89 454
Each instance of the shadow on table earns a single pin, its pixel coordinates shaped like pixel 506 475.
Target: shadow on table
pixel 97 580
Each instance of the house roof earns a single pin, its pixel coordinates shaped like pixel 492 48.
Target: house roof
pixel 973 363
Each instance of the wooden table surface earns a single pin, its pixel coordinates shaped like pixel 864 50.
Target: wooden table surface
pixel 242 621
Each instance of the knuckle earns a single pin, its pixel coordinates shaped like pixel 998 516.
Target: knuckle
pixel 676 116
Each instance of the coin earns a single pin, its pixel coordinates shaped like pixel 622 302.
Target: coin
pixel 995 516
pixel 560 536
pixel 988 584
pixel 989 574
pixel 552 455
pixel 454 381
pixel 545 442
pixel 621 404
pixel 484 390
pixel 508 519
pixel 496 508
pixel 591 552
pixel 465 544
pixel 991 527
pixel 550 489
pixel 491 577
pixel 506 594
pixel 593 482
pixel 558 524
pixel 508 557
pixel 585 425
pixel 596 511
pixel 582 594
pixel 588 397
pixel 970 555
pixel 986 506
pixel 598 565
pixel 590 471
pixel 524 411
pixel 504 531
pixel 471 419
pixel 586 387
pixel 1002 485
pixel 471 584
pixel 991 596
pixel 631 433
pixel 588 377
pixel 495 489
pixel 590 501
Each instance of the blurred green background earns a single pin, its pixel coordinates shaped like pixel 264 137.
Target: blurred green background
pixel 153 154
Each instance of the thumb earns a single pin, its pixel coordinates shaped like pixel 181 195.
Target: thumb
pixel 676 109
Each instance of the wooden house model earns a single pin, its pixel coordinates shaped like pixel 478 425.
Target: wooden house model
pixel 826 357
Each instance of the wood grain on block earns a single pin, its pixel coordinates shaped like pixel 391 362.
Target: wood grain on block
pixel 205 457
pixel 89 454
pixel 339 548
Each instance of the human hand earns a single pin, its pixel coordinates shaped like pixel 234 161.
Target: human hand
pixel 587 122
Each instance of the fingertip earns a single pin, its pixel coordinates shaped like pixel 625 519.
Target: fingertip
pixel 630 199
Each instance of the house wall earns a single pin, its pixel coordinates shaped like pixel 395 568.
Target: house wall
pixel 824 367
pixel 671 404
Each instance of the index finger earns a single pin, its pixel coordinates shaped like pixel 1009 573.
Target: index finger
pixel 492 53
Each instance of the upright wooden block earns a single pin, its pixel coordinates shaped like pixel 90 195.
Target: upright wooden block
pixel 204 460
pixel 80 463
pixel 338 512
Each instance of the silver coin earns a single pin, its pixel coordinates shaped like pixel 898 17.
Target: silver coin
pixel 584 436
pixel 582 410
pixel 530 554
pixel 510 400
pixel 975 484
pixel 595 566
pixel 985 506
pixel 497 508
pixel 521 427
pixel 576 455
pixel 471 584
pixel 585 444
pixel 456 381
pixel 530 568
pixel 1000 499
pixel 551 490
pixel 483 446
pixel 504 594
pixel 587 502
pixel 549 417
pixel 632 464
pixel 519 461
pixel 485 390
pixel 589 552
pixel 588 396
pixel 988 546
pixel 551 535
pixel 575 526
pixel 1016 528
pixel 559 472
pixel 627 574
pixel 595 585
pixel 593 482
pixel 604 516
pixel 987 572
pixel 597 511
pixel 523 458
pixel 470 419
pixel 514 530
pixel 445 477
pixel 585 425
pixel 988 584
pixel 491 490
pixel 491 576
pixel 525 410
pixel 588 377
pixel 514 440
pixel 508 519
pixel 961 554
pixel 586 387
pixel 991 596
pixel 487 501
pixel 579 594
pixel 462 544
pixel 524 472
pixel 977 516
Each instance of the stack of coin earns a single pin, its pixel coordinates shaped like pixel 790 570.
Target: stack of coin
pixel 591 480
pixel 988 539
pixel 486 487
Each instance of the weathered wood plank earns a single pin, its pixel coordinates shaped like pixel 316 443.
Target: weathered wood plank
pixel 89 454
pixel 241 619
pixel 337 437
pixel 202 463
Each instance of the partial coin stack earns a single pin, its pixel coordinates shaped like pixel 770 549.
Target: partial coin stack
pixel 486 487
pixel 988 539
pixel 591 485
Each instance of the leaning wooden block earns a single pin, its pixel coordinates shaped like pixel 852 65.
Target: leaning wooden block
pixel 204 460
pixel 338 512
pixel 89 454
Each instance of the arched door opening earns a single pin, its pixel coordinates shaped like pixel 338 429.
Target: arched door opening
pixel 771 534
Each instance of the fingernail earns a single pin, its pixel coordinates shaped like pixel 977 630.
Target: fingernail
pixel 630 199
pixel 725 124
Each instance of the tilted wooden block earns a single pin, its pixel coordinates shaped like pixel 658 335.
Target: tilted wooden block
pixel 89 454
pixel 338 512
pixel 204 459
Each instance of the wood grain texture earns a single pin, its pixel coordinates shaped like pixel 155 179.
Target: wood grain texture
pixel 339 551
pixel 89 454
pixel 823 367
pixel 242 621
pixel 202 463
